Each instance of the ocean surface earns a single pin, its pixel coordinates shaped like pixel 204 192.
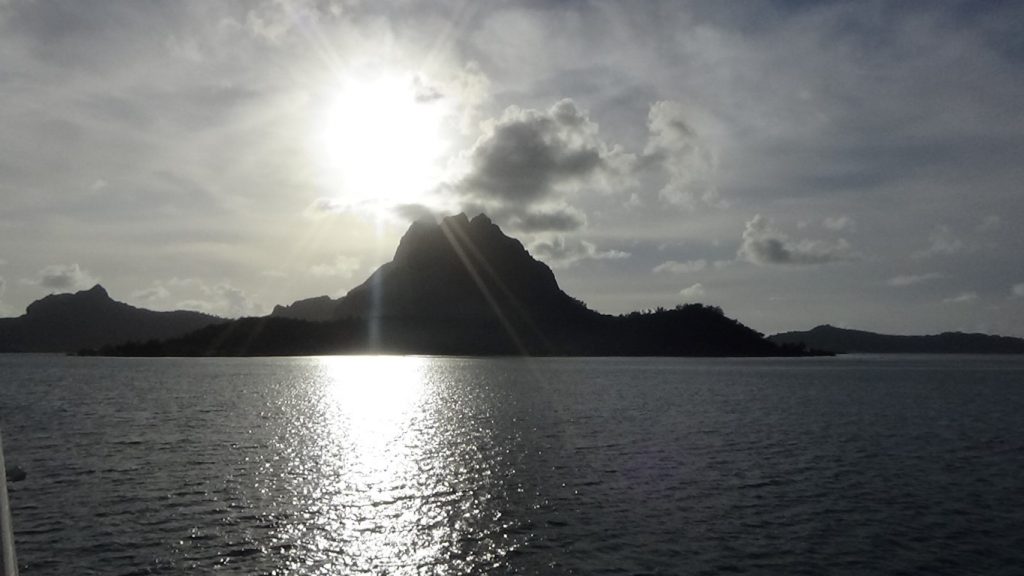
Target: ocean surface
pixel 409 465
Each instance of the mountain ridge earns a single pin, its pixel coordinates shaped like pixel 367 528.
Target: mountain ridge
pixel 91 319
pixel 845 340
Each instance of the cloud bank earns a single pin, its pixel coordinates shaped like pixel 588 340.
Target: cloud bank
pixel 763 245
pixel 65 278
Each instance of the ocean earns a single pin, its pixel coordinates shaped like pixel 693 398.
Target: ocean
pixel 423 465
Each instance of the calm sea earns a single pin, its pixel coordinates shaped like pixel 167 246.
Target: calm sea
pixel 407 465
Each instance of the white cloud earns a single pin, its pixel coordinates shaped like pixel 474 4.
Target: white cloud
pixel 912 279
pixel 1018 290
pixel 683 153
pixel 154 293
pixel 342 266
pixel 962 298
pixel 221 299
pixel 839 223
pixel 692 292
pixel 763 245
pixel 942 241
pixel 674 267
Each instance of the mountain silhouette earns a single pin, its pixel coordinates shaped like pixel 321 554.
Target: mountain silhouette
pixel 457 268
pixel 462 287
pixel 91 319
pixel 843 340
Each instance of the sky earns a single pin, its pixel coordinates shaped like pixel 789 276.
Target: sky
pixel 797 163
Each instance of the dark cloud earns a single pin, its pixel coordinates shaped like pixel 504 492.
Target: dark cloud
pixel 556 220
pixel 65 277
pixel 527 155
pixel 561 252
pixel 763 245
pixel 414 212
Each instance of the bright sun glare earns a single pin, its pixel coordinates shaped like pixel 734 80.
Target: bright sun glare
pixel 382 141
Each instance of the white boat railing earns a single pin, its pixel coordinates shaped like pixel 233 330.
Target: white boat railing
pixel 6 527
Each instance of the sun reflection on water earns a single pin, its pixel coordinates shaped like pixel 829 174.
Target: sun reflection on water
pixel 376 403
pixel 392 469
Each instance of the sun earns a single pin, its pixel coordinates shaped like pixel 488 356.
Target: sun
pixel 382 141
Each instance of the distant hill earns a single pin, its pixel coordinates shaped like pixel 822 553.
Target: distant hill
pixel 91 319
pixel 842 340
pixel 462 286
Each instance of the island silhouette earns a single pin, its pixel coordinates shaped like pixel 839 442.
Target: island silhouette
pixel 846 341
pixel 460 286
pixel 457 286
pixel 91 319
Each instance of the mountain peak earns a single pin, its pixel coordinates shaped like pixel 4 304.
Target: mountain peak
pixel 459 219
pixel 459 268
pixel 96 291
pixel 58 303
pixel 481 219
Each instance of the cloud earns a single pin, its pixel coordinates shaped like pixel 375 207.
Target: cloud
pixel 4 310
pixel 342 266
pixel 272 22
pixel 942 242
pixel 528 155
pixel 64 277
pixel 152 294
pixel 223 300
pixel 562 253
pixel 962 298
pixel 424 92
pixel 692 292
pixel 674 267
pixel 325 206
pixel 414 212
pixel 763 245
pixel 677 147
pixel 912 279
pixel 839 223
pixel 990 223
pixel 1018 290
pixel 528 160
pixel 564 219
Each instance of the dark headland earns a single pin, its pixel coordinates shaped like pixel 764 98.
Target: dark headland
pixel 462 287
pixel 91 319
